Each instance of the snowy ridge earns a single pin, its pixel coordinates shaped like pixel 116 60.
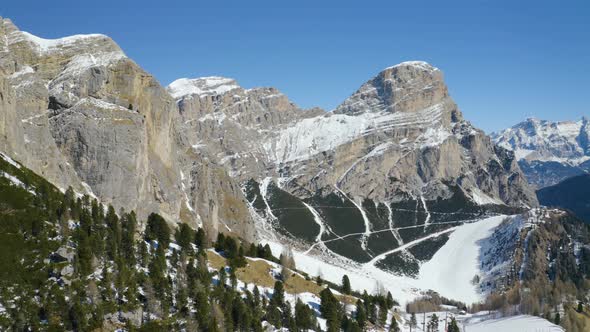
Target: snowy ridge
pixel 83 62
pixel 323 133
pixel 204 86
pixel 45 46
pixel 419 64
pixel 534 139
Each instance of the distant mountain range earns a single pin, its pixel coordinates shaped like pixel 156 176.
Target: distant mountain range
pixel 548 152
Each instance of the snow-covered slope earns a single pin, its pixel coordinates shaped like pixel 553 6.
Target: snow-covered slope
pixel 212 85
pixel 469 252
pixel 534 139
pixel 548 152
pixel 451 270
pixel 520 323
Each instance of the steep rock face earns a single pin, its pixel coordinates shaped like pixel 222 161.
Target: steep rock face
pixel 81 113
pixel 229 122
pixel 548 152
pixel 394 163
pixel 399 133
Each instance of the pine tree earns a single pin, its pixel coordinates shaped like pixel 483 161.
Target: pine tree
pixel 557 318
pixel 432 325
pixel 394 326
pixel 184 236
pixel 361 314
pixel 453 327
pixel 200 238
pixel 157 229
pixel 278 295
pixel 330 309
pixel 390 302
pixel 345 285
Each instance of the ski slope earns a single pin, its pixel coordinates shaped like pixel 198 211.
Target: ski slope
pixel 449 272
pixel 521 323
pixel 452 268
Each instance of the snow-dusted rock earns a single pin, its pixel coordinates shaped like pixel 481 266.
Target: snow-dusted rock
pixel 549 152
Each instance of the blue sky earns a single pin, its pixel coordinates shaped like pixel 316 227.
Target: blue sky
pixel 503 61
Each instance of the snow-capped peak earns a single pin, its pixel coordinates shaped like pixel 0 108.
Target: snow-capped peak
pixel 47 45
pixel 212 85
pixel 416 64
pixel 76 44
pixel 535 139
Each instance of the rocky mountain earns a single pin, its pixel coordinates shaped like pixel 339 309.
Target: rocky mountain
pixel 548 152
pixel 572 194
pixel 78 111
pixel 394 164
pixel 393 186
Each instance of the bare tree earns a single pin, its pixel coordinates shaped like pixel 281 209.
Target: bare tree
pixel 288 263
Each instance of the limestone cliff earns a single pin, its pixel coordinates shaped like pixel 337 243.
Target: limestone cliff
pixel 80 112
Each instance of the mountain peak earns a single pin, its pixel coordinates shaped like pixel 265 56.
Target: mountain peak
pixel 202 86
pixel 407 87
pixel 423 65
pixel 87 43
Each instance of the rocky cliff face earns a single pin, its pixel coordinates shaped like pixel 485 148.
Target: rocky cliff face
pixel 549 152
pixel 394 163
pixel 206 150
pixel 399 134
pixel 81 113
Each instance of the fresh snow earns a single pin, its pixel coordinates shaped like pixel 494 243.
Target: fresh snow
pixel 542 140
pixel 203 86
pixel 48 45
pixel 367 222
pixel 15 181
pixel 449 272
pixel 427 220
pixel 521 323
pixel 452 268
pixel 418 64
pixel 311 136
pixel 481 198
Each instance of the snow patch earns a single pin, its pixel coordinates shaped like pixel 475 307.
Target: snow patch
pixel 203 86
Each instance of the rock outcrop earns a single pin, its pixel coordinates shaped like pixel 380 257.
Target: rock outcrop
pixel 400 133
pixel 82 114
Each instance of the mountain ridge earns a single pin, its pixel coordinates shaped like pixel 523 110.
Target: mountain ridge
pixel 190 151
pixel 548 151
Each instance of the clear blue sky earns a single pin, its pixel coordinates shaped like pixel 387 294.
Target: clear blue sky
pixel 503 60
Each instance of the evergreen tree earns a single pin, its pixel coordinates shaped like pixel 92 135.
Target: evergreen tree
pixel 557 318
pixel 394 326
pixel 390 302
pixel 200 238
pixel 184 236
pixel 361 314
pixel 345 285
pixel 330 309
pixel 278 295
pixel 157 229
pixel 453 327
pixel 432 325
